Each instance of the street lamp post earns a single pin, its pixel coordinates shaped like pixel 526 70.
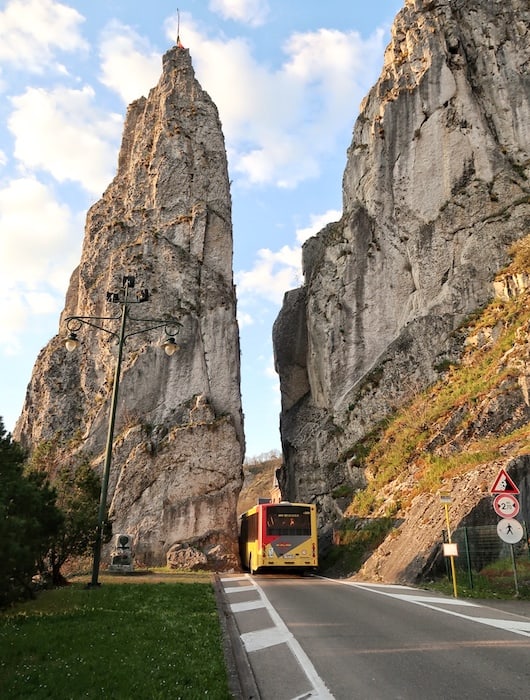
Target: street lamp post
pixel 73 324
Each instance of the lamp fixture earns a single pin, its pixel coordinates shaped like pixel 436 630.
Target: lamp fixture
pixel 170 346
pixel 71 342
pixel 105 324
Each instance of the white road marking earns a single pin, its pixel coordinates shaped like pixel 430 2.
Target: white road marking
pixel 516 626
pixel 247 605
pixel 280 634
pixel 361 584
pixel 238 589
pixel 509 625
pixel 262 639
pixel 431 601
pixel 229 579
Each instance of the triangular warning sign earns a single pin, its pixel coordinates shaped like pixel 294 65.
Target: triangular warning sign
pixel 504 484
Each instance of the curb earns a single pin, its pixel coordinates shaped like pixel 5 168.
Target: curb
pixel 241 679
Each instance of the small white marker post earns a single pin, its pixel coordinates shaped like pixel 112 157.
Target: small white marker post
pixel 450 548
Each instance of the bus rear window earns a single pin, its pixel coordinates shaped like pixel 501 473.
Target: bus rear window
pixel 292 520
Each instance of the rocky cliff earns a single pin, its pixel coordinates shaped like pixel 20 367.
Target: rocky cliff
pixel 435 190
pixel 454 438
pixel 166 219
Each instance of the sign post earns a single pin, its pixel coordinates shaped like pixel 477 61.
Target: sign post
pixel 506 505
pixel 450 548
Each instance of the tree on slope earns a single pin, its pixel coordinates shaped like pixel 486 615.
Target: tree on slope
pixel 77 488
pixel 29 520
pixel 78 493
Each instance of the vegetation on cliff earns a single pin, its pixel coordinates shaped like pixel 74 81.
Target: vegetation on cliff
pixel 259 473
pixel 476 415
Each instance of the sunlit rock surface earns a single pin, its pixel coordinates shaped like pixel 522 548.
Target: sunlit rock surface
pixel 435 190
pixel 166 219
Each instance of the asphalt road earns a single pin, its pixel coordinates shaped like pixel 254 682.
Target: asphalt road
pixel 317 638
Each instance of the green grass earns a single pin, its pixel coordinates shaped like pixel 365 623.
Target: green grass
pixel 118 641
pixel 495 581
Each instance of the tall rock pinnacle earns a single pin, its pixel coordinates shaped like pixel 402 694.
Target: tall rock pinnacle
pixel 435 190
pixel 166 219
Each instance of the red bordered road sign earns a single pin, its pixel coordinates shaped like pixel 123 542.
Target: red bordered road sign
pixel 504 484
pixel 506 505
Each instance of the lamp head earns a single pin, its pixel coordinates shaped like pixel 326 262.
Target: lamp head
pixel 170 346
pixel 71 342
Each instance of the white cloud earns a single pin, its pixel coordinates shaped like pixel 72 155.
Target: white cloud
pixel 280 123
pixel 39 246
pixel 71 139
pixel 272 275
pixel 317 223
pixel 252 12
pixel 270 371
pixel 244 319
pixel 129 66
pixel 275 273
pixel 15 316
pixel 35 233
pixel 33 30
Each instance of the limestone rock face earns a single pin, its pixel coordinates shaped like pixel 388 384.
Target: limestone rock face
pixel 166 219
pixel 411 552
pixel 435 189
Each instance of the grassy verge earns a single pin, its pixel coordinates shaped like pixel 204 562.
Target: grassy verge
pixel 495 581
pixel 118 641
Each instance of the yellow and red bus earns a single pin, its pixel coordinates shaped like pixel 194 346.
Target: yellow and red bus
pixel 279 535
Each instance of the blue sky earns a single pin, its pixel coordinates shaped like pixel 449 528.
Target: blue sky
pixel 287 77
